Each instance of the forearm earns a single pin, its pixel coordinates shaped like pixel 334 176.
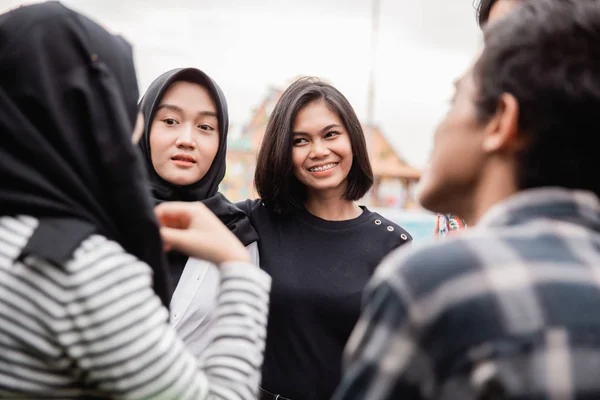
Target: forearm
pixel 118 336
pixel 233 359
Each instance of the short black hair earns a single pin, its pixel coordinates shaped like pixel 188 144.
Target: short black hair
pixel 547 55
pixel 482 11
pixel 275 182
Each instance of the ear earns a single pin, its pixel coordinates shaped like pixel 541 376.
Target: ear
pixel 501 131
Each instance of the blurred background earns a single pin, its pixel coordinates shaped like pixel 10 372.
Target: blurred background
pixel 395 61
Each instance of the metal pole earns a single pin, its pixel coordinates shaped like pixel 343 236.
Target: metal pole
pixel 373 50
pixel 371 88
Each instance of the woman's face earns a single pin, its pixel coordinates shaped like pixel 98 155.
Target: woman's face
pixel 321 152
pixel 184 134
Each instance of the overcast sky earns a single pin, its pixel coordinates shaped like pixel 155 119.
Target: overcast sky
pixel 249 45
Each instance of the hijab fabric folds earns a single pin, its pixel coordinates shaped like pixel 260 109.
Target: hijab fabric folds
pixel 68 104
pixel 206 189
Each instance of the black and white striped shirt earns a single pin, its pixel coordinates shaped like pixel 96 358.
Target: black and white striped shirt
pixel 94 327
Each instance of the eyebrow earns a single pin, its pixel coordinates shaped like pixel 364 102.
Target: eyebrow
pixel 328 127
pixel 178 109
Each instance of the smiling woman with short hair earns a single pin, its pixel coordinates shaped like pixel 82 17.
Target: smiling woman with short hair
pixel 319 246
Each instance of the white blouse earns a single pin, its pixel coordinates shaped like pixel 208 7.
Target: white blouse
pixel 195 299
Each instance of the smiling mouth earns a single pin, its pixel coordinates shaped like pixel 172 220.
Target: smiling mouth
pixel 183 158
pixel 322 168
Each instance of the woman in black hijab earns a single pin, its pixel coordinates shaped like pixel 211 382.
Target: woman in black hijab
pixel 184 146
pixel 82 277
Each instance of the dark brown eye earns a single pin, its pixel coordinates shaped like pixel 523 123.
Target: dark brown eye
pixel 206 127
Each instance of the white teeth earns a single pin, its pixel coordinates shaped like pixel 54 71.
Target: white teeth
pixel 322 168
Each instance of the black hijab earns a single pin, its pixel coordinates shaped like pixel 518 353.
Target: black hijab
pixel 206 189
pixel 68 97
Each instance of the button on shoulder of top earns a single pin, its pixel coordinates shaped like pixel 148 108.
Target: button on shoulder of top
pixel 377 222
pixel 390 228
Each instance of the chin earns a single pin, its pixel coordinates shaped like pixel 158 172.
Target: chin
pixel 430 199
pixel 429 205
pixel 324 188
pixel 182 180
pixel 441 200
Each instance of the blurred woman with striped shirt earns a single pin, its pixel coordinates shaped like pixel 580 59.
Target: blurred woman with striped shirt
pixel 83 292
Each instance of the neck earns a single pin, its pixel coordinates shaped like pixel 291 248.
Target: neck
pixel 497 187
pixel 331 207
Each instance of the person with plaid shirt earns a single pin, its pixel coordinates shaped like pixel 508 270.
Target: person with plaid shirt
pixel 487 11
pixel 509 309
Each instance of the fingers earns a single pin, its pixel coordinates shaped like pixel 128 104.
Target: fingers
pixel 174 214
pixel 176 239
pixel 193 229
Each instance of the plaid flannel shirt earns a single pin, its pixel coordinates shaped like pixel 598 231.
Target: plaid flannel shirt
pixel 507 310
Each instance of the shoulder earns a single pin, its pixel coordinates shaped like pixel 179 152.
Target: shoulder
pixel 96 244
pixel 392 226
pixel 248 206
pixel 62 242
pixel 388 231
pixel 426 267
pixel 92 262
pixel 261 218
pixel 98 255
pixel 19 228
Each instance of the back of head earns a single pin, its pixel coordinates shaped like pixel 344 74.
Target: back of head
pixel 68 97
pixel 482 11
pixel 489 11
pixel 547 55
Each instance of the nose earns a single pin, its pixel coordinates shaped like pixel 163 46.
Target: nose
pixel 186 138
pixel 319 149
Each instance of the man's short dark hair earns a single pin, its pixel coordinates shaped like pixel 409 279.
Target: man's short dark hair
pixel 547 55
pixel 274 178
pixel 482 11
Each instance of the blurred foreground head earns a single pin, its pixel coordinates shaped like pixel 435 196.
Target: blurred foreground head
pixel 68 105
pixel 489 11
pixel 525 115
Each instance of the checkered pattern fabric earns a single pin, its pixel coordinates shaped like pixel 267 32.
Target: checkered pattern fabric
pixel 509 309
